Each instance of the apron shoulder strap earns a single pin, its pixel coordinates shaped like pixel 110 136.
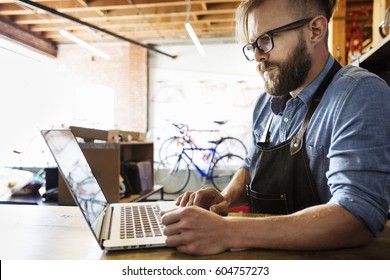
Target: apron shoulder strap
pixel 265 136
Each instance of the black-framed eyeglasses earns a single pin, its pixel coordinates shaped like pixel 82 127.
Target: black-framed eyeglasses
pixel 265 42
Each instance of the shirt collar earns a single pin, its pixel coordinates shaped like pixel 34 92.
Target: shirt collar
pixel 307 94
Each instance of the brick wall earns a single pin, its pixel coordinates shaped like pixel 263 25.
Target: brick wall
pixel 126 73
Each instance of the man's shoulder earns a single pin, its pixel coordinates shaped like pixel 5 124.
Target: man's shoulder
pixel 355 72
pixel 358 79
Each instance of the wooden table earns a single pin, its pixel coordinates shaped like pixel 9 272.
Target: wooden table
pixel 61 233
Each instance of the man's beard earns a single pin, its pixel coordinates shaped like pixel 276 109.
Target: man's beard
pixel 289 75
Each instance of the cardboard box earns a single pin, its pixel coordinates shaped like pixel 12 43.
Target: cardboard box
pixel 110 136
pixel 115 136
pixel 89 134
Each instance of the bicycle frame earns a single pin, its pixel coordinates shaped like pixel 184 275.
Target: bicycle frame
pixel 174 168
pixel 174 144
pixel 201 171
pixel 177 175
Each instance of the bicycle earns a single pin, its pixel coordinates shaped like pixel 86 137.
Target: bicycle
pixel 226 144
pixel 173 172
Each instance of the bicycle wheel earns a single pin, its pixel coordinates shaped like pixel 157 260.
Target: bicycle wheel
pixel 173 173
pixel 231 145
pixel 224 169
pixel 173 146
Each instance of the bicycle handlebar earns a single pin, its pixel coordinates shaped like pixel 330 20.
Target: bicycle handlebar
pixel 216 142
pixel 221 122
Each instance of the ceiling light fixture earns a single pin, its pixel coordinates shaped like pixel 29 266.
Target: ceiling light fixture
pixel 84 44
pixel 191 31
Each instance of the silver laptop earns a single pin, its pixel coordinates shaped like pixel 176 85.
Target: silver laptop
pixel 116 226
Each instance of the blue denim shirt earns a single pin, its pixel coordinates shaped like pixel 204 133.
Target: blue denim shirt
pixel 347 140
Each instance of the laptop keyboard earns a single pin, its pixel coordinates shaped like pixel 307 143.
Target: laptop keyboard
pixel 140 221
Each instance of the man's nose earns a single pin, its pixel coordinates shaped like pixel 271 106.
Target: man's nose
pixel 260 56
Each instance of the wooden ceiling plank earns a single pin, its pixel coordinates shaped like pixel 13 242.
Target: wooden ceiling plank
pixel 105 5
pixel 124 17
pixel 96 28
pixel 140 15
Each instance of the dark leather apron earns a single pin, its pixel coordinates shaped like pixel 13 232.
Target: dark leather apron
pixel 281 181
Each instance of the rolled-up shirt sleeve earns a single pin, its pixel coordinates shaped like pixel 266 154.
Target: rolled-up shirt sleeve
pixel 359 154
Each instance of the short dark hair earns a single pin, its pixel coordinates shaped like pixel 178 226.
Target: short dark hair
pixel 300 9
pixel 305 8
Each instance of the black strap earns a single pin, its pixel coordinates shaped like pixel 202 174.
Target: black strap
pixel 265 137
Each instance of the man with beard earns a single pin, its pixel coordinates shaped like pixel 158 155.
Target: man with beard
pixel 319 162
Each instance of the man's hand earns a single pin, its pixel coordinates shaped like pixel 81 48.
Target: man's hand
pixel 206 198
pixel 193 230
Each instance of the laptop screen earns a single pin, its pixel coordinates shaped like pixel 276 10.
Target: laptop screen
pixel 77 175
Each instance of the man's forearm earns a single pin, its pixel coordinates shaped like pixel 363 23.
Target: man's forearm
pixel 315 228
pixel 235 192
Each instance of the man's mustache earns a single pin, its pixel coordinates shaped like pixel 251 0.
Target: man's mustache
pixel 262 66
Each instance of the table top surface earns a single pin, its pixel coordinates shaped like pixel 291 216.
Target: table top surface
pixel 61 233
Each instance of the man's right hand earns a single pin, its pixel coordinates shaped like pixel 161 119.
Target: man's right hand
pixel 207 198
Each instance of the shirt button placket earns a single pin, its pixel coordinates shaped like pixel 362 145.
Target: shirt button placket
pixel 284 127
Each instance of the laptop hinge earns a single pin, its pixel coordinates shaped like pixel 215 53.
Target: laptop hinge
pixel 106 228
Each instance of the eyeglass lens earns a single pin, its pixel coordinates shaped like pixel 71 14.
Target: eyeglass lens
pixel 264 43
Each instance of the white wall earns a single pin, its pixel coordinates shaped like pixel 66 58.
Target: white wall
pixel 38 95
pixel 192 89
pixel 197 90
pixel 25 106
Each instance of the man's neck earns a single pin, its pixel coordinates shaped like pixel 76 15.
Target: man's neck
pixel 318 65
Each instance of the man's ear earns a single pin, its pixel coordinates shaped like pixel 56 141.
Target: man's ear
pixel 319 28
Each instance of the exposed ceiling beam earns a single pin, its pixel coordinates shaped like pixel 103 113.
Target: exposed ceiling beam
pixel 26 37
